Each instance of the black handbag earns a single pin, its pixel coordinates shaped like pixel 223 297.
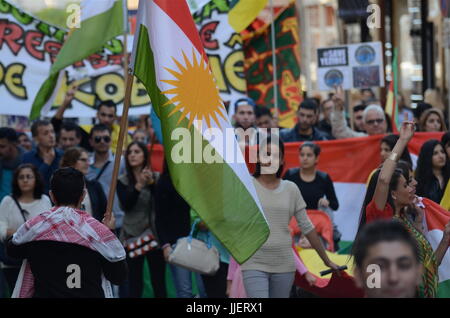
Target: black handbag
pixel 4 258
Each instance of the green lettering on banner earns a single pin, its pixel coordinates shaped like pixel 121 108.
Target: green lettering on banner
pixel 115 46
pixel 222 6
pixel 44 28
pixel 5 7
pixel 60 35
pixel 22 17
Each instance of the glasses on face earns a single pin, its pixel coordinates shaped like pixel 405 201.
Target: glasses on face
pixel 106 115
pixel 26 177
pixel 373 121
pixel 98 139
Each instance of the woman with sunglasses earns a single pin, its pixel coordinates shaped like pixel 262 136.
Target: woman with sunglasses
pixel 94 202
pixel 26 201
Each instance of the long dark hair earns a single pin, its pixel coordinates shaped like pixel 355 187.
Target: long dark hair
pixel 391 140
pixel 38 182
pixel 424 171
pixel 270 141
pixel 393 184
pixel 129 170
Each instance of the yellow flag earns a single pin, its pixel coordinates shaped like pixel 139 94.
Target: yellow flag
pixel 244 13
pixel 445 202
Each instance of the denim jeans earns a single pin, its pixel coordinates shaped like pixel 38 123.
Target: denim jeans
pixel 182 279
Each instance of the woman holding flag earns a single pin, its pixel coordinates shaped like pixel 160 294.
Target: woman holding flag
pixel 391 194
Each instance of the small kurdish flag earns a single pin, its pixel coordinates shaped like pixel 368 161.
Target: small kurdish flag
pixel 101 20
pixel 169 59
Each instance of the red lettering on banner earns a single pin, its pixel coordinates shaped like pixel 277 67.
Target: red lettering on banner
pixel 52 48
pixel 206 36
pixel 79 64
pixel 115 59
pixel 10 33
pixel 33 40
pixel 97 61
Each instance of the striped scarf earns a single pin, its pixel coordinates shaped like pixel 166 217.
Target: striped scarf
pixel 430 278
pixel 64 224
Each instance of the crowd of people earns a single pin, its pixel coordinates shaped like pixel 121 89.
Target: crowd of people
pixel 58 181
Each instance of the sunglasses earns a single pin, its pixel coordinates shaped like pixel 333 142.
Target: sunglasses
pixel 372 122
pixel 98 139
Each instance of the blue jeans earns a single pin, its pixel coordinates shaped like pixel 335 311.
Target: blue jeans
pixel 182 279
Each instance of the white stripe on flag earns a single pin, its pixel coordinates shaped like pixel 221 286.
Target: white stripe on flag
pixel 351 198
pixel 435 237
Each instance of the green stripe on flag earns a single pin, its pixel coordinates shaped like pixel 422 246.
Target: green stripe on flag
pixel 444 289
pixel 213 190
pixel 91 37
pixel 44 94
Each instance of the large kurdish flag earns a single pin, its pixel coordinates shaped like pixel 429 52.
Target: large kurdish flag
pixel 101 20
pixel 169 59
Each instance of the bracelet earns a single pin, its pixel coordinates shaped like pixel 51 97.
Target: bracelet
pixel 393 156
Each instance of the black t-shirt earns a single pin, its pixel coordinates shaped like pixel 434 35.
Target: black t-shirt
pixel 313 191
pixel 53 263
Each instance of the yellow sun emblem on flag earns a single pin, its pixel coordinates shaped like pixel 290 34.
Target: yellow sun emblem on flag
pixel 195 92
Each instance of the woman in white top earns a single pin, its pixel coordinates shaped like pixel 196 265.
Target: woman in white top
pixel 26 201
pixel 270 272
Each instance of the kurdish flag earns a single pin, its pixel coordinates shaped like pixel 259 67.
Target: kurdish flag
pixel 169 59
pixel 101 20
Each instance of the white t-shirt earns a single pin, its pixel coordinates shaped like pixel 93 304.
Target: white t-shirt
pixel 11 217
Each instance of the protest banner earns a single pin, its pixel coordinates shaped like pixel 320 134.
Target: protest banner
pixel 350 66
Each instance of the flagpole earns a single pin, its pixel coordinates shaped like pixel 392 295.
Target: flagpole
pixel 125 42
pixel 122 131
pixel 274 57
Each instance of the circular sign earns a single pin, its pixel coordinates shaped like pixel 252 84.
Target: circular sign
pixel 365 55
pixel 334 78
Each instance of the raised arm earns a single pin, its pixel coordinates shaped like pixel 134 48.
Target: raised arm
pixel 389 165
pixel 67 100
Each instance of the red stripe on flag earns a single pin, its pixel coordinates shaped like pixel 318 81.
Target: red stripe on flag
pixel 345 160
pixel 437 216
pixel 179 12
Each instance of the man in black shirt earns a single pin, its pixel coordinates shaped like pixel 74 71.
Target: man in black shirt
pixel 305 130
pixel 67 250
